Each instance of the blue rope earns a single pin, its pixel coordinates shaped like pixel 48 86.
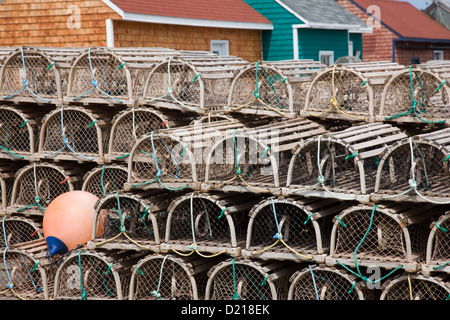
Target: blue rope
pixel 94 82
pixel 25 82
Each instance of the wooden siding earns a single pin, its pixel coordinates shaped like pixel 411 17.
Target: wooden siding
pixel 53 23
pixel 311 41
pixel 245 44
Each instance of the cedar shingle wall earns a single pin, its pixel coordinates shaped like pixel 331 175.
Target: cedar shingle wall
pixel 53 23
pixel 245 44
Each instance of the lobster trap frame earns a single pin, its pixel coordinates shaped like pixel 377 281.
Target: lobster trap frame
pixel 326 283
pixel 416 287
pixel 249 280
pixel 174 159
pixel 106 179
pixel 29 75
pixel 129 125
pixel 415 169
pixel 294 228
pixel 275 89
pixel 191 84
pixel 17 230
pixel 416 95
pixel 438 246
pixel 37 184
pixel 340 164
pixel 129 221
pixel 169 277
pixel 392 236
pixel 256 159
pixel 208 224
pixel 76 134
pixel 95 275
pixel 8 171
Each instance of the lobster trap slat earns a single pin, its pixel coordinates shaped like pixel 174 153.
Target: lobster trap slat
pixel 19 132
pixel 249 280
pixel 207 223
pixel 340 164
pixel 76 134
pixel 276 89
pixel 416 287
pixel 174 159
pixel 131 124
pixel 257 159
pixel 26 274
pixel 415 169
pixel 8 171
pixel 327 283
pixel 191 84
pixel 416 94
pixel 170 277
pixel 29 75
pixel 393 236
pixel 37 184
pixel 105 179
pixel 95 275
pixel 16 230
pixel 130 221
pixel 291 228
pixel 438 246
pixel 349 92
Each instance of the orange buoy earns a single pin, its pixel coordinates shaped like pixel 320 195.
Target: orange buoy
pixel 68 221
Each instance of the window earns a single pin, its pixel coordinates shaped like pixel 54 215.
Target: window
pixel 326 57
pixel 220 47
pixel 438 55
pixel 415 60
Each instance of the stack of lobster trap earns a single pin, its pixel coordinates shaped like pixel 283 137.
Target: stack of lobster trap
pixel 218 178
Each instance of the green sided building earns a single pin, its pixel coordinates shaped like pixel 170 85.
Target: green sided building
pixel 321 30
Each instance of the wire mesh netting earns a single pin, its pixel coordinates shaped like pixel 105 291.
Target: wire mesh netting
pixel 416 287
pixel 416 95
pixel 29 75
pixel 438 249
pixel 74 133
pixel 104 180
pixel 7 179
pixel 16 229
pixel 325 283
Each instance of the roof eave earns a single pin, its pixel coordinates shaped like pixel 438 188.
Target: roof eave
pixel 353 28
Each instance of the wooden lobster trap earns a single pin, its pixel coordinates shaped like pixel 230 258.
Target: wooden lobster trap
pixel 130 221
pixel 415 169
pixel 29 75
pixel 275 89
pixel 37 184
pixel 348 92
pixel 191 84
pixel 8 171
pixel 174 159
pixel 418 94
pixel 340 164
pixel 208 224
pixel 291 228
pixel 75 133
pixel 26 273
pixel 95 275
pixel 105 179
pixel 17 230
pixel 238 279
pixel 131 124
pixel 392 236
pixel 320 282
pixel 19 132
pixel 438 246
pixel 416 287
pixel 169 277
pixel 256 159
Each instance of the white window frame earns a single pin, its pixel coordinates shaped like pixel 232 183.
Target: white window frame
pixel 223 44
pixel 330 54
pixel 438 52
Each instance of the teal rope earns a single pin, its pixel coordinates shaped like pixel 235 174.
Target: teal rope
pixel 83 292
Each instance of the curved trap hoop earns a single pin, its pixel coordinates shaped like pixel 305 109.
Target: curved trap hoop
pixel 16 230
pixel 104 180
pixel 208 224
pixel 438 246
pixel 291 228
pixel 340 164
pixel 249 280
